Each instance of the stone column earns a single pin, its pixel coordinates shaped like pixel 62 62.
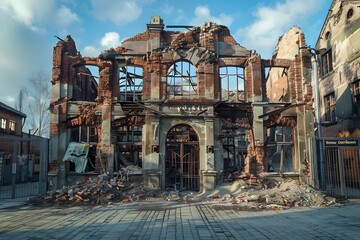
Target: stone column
pixel 255 89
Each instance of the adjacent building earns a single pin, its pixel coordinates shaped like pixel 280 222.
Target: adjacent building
pixel 338 49
pixel 11 122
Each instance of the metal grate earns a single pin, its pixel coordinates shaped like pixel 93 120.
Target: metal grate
pixel 342 172
pixel 182 159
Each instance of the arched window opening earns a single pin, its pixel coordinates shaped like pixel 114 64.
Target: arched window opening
pixel 130 83
pixel 232 84
pixel 181 79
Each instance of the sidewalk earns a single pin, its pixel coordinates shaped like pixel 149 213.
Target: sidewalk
pixel 170 220
pixel 11 203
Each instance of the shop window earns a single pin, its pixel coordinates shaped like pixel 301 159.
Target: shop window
pixel 232 83
pixel 2 124
pixel 12 125
pixel 326 63
pixel 130 83
pixel 181 79
pixel 329 103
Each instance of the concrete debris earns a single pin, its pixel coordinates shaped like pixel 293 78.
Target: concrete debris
pixel 253 193
pixel 250 193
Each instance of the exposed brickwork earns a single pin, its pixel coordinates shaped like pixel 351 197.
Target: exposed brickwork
pixel 155 51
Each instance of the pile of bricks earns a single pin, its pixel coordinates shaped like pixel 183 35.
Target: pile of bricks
pixel 94 191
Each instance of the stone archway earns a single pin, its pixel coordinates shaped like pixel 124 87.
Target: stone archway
pixel 182 161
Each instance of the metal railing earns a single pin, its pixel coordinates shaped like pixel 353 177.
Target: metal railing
pixel 23 166
pixel 338 161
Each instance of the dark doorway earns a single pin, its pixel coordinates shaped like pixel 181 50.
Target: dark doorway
pixel 182 159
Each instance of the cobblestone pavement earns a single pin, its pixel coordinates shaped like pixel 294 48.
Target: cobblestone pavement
pixel 167 220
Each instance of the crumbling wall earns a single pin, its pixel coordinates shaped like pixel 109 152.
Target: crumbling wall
pixel 207 48
pixel 291 84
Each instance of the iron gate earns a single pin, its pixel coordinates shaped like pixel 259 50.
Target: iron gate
pixel 338 161
pixel 182 159
pixel 23 166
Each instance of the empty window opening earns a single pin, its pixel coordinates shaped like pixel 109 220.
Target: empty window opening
pixel 279 150
pixel 130 83
pixel 234 150
pixel 129 148
pixel 86 83
pixel 327 35
pixel 350 13
pixel 232 84
pixel 181 79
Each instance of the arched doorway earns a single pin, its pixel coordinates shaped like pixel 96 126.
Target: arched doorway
pixel 182 159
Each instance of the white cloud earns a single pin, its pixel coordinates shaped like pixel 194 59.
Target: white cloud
pixel 28 12
pixel 120 12
pixel 91 51
pixel 10 99
pixel 23 50
pixel 66 17
pixel 203 14
pixel 272 22
pixel 111 39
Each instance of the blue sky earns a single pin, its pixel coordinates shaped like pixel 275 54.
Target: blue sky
pixel 28 27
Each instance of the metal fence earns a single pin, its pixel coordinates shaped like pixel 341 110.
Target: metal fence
pixel 23 166
pixel 338 164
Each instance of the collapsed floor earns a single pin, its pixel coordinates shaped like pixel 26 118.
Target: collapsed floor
pixel 245 193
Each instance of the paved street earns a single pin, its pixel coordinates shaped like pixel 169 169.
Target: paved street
pixel 170 220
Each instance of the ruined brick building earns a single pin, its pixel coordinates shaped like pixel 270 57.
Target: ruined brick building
pixel 188 107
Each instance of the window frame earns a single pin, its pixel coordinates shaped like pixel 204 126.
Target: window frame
pixel 176 71
pixel 356 92
pixel 329 107
pixel 12 125
pixel 326 63
pixel 280 138
pixel 3 124
pixel 232 81
pixel 131 92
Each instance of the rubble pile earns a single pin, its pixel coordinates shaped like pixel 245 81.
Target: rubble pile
pixel 260 193
pixel 246 193
pixel 94 191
